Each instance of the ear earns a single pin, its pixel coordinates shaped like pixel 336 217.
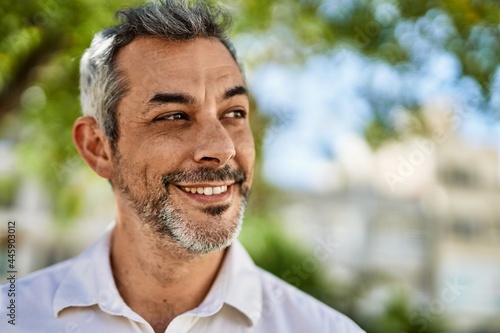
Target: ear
pixel 93 145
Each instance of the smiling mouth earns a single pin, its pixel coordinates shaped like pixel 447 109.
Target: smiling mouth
pixel 207 190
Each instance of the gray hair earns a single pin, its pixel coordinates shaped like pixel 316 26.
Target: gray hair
pixel 101 84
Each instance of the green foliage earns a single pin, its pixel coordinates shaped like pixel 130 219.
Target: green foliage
pixel 370 27
pixel 303 28
pixel 377 132
pixel 400 316
pixel 41 43
pixel 9 186
pixel 40 47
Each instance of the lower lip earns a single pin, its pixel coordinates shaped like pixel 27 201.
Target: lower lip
pixel 210 199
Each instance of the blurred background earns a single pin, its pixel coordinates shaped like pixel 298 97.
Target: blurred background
pixel 378 134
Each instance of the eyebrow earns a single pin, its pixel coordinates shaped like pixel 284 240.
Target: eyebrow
pixel 177 98
pixel 180 98
pixel 235 91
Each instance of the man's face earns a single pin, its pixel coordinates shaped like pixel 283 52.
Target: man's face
pixel 184 158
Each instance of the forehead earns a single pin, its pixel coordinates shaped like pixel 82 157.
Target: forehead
pixel 150 62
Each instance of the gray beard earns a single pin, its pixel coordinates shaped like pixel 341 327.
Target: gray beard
pixel 169 222
pixel 157 211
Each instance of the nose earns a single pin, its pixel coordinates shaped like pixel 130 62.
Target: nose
pixel 214 145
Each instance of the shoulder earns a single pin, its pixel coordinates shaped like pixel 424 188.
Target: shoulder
pixel 285 303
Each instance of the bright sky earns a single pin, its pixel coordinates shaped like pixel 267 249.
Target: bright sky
pixel 318 103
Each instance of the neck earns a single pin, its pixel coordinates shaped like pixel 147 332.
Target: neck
pixel 157 278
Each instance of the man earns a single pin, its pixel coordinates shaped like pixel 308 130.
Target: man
pixel 166 121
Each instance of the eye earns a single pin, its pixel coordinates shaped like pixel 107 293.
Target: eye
pixel 236 114
pixel 172 117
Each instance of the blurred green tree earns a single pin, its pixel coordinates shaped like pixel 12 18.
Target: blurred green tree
pixel 299 29
pixel 41 43
pixel 399 315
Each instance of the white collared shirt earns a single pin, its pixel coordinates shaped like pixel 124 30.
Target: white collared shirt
pixel 79 295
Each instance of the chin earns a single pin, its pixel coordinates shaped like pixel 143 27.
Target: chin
pixel 212 232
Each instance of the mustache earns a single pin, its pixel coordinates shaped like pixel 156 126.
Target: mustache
pixel 205 174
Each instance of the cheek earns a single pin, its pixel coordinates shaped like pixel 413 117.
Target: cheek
pixel 155 148
pixel 131 164
pixel 126 168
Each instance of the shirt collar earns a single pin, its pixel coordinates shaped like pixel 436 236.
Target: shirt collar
pixel 89 281
pixel 237 284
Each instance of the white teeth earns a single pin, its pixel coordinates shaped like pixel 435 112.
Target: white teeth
pixel 206 190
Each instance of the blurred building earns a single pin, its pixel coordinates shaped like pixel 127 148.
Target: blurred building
pixel 424 212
